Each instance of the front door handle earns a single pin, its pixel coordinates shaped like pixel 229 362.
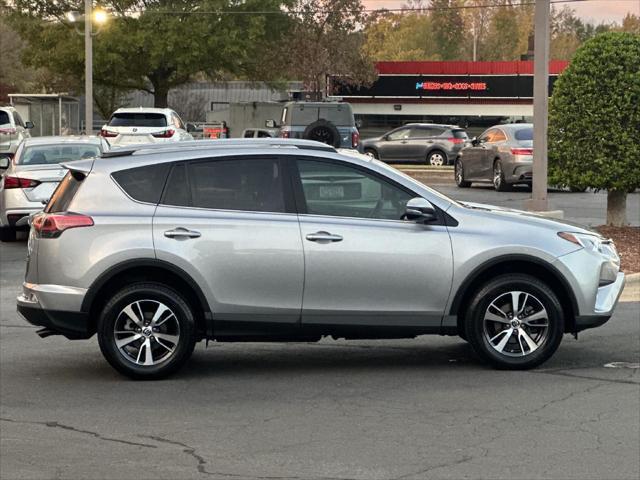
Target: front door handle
pixel 181 232
pixel 323 237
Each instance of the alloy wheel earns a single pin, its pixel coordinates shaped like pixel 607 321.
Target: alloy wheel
pixel 497 175
pixel 516 324
pixel 146 332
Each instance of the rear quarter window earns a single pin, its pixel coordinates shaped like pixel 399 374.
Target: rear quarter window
pixel 5 121
pixel 143 184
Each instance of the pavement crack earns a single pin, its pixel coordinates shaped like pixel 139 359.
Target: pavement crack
pixel 201 464
pixel 78 430
pixel 586 377
pixel 453 463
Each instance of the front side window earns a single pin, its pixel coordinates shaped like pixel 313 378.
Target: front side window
pixel 498 136
pixel 487 136
pixel 399 134
pixel 254 185
pixel 343 191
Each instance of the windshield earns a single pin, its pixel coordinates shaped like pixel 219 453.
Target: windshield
pixel 138 119
pixel 53 154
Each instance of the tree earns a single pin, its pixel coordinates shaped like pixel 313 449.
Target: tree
pixel 327 39
pixel 448 29
pixel 155 45
pixel 502 42
pixel 393 37
pixel 594 120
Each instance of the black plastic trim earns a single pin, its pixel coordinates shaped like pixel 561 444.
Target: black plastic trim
pixel 475 274
pixel 102 280
pixel 590 321
pixel 73 325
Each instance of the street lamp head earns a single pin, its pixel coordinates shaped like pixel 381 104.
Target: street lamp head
pixel 73 16
pixel 100 16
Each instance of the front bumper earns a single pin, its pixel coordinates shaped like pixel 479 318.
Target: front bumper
pixel 606 300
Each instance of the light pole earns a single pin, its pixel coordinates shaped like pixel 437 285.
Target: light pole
pixel 538 201
pixel 90 16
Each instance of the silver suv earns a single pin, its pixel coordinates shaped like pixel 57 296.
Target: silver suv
pixel 159 247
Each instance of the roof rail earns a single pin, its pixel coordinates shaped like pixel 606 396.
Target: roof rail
pixel 121 151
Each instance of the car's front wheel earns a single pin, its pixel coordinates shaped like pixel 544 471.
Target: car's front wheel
pixel 499 183
pixel 514 321
pixel 147 331
pixel 459 175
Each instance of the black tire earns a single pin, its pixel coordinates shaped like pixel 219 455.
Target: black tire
pixel 7 234
pixel 113 315
pixel 499 183
pixel 516 354
pixel 322 131
pixel 371 152
pixel 459 175
pixel 437 158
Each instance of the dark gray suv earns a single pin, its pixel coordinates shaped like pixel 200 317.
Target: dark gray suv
pixel 418 142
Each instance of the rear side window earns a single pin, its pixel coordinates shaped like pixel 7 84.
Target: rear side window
pixel 524 134
pixel 177 189
pixel 254 185
pixel 64 193
pixel 4 119
pixel 459 134
pixel 138 119
pixel 144 184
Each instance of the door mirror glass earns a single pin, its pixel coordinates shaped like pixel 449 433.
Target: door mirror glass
pixel 270 123
pixel 4 162
pixel 474 141
pixel 28 125
pixel 420 210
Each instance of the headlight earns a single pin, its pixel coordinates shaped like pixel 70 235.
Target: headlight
pixel 605 248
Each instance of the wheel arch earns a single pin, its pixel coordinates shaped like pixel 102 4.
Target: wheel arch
pixel 147 270
pixel 516 263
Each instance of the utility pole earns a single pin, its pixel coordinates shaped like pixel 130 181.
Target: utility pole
pixel 538 201
pixel 88 68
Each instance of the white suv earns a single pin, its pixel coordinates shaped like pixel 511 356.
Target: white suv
pixel 12 131
pixel 144 125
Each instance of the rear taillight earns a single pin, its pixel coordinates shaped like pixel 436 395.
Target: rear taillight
pixel 522 151
pixel 355 139
pixel 284 133
pixel 166 134
pixel 456 140
pixel 108 133
pixel 17 182
pixel 9 131
pixel 51 225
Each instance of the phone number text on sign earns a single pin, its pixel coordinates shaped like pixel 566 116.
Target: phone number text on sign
pixel 451 86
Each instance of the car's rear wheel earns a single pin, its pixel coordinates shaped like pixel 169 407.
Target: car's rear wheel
pixel 7 234
pixel 436 158
pixel 147 331
pixel 499 183
pixel 459 175
pixel 371 152
pixel 515 322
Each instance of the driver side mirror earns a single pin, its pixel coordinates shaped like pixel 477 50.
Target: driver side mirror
pixel 4 162
pixel 28 125
pixel 475 141
pixel 270 123
pixel 420 210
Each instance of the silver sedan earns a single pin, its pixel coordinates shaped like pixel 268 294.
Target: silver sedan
pixel 502 155
pixel 29 180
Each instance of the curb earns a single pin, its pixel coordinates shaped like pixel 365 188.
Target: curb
pixel 631 292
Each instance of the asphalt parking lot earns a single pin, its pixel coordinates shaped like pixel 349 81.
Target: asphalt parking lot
pixel 402 409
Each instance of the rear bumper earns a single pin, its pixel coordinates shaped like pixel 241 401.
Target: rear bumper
pixel 73 325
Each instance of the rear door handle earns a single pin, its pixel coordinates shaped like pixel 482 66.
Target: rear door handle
pixel 181 232
pixel 323 237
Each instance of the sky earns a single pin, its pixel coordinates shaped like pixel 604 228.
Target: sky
pixel 595 11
